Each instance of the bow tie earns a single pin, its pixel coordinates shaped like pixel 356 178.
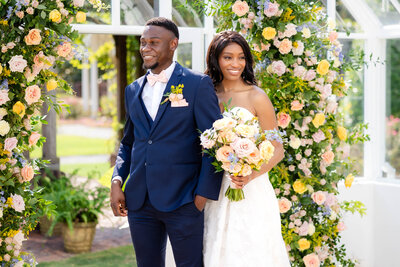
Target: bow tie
pixel 153 78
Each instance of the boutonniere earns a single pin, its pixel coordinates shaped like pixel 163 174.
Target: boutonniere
pixel 176 97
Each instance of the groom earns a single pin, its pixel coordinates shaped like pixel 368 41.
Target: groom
pixel 170 179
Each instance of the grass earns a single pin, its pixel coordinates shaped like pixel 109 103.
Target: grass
pixel 70 145
pixel 119 256
pixel 92 170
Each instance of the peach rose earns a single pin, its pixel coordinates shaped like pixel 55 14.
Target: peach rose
pixel 64 49
pixel 27 173
pixel 224 123
pixel 328 157
pixel 283 119
pixel 240 8
pixel 223 153
pixel 318 197
pixel 34 138
pixel 266 150
pixel 341 226
pixel 10 143
pixel 246 170
pixel 245 130
pixel 32 94
pixel 226 136
pixel 39 59
pixel 243 147
pixel 17 63
pixel 296 105
pixel 285 46
pixel 284 205
pixel 33 37
pixel 254 157
pixel 311 260
pixel 333 36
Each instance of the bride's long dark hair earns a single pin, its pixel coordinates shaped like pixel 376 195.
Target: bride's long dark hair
pixel 220 41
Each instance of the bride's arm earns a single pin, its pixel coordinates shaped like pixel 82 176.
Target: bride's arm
pixel 267 118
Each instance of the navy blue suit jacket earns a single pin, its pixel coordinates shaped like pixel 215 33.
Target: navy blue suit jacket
pixel 164 159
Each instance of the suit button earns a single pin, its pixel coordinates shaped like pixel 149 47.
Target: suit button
pixel 150 142
pixel 145 164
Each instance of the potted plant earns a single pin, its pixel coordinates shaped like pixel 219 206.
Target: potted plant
pixel 78 209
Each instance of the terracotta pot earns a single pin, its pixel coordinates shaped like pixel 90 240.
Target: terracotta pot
pixel 45 226
pixel 80 239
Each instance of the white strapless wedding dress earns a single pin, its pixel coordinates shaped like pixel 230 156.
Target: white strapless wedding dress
pixel 245 233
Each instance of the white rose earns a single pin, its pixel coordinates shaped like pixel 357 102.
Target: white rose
pixel 224 123
pixel 311 229
pixel 78 3
pixel 306 33
pixel 17 63
pixel 295 142
pixel 4 128
pixel 245 130
pixel 3 112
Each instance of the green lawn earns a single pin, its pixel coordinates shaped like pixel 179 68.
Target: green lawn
pixel 119 256
pixel 92 170
pixel 70 145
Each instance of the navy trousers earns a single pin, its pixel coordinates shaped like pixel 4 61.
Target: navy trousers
pixel 150 227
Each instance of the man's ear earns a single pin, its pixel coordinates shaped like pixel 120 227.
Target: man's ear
pixel 173 44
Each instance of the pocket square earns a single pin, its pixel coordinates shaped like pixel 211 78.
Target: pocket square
pixel 179 103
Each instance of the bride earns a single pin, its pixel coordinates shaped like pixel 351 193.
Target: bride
pixel 247 232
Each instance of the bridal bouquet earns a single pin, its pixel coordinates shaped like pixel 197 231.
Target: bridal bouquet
pixel 239 146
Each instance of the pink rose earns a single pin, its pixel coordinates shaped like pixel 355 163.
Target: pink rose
pixel 35 3
pixel 292 168
pixel 303 229
pixel 296 105
pixel 243 147
pixel 29 75
pixel 341 226
pixel 30 10
pixel 290 30
pixel 328 157
pixel 4 97
pixel 39 59
pixel 284 205
pixel 283 119
pixel 27 173
pixel 17 63
pixel 272 10
pixel 20 14
pixel 64 50
pixel 278 67
pixel 331 106
pixel 240 8
pixel 299 71
pixel 307 152
pixel 251 15
pixel 310 75
pixel 33 37
pixel 246 170
pixel 311 260
pixel 318 136
pixel 285 46
pixel 223 153
pixel 326 91
pixel 10 45
pixel 333 36
pixel 10 143
pixel 34 138
pixel 18 203
pixel 207 140
pixel 226 135
pixel 319 197
pixel 330 199
pixel 32 94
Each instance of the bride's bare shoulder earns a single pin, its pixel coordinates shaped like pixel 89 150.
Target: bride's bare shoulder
pixel 259 97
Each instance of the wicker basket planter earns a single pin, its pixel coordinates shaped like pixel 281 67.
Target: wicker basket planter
pixel 45 224
pixel 80 239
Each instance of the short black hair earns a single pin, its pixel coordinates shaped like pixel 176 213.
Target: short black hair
pixel 218 44
pixel 165 23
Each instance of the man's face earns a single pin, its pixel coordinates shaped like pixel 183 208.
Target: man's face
pixel 157 47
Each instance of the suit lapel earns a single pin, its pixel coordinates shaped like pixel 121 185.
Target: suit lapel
pixel 138 106
pixel 174 80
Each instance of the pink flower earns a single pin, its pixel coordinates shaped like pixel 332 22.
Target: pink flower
pixel 328 157
pixel 251 15
pixel 299 71
pixel 283 119
pixel 4 97
pixel 308 152
pixel 33 37
pixel 64 50
pixel 34 138
pixel 206 141
pixel 330 199
pixel 272 10
pixel 284 205
pixel 27 173
pixel 333 36
pixel 223 153
pixel 35 3
pixel 290 30
pixel 331 106
pixel 29 75
pixel 17 63
pixel 243 147
pixel 254 157
pixel 278 67
pixel 319 197
pixel 20 14
pixel 318 136
pixel 303 229
pixel 296 105
pixel 30 10
pixel 326 91
pixel 285 46
pixel 341 226
pixel 10 45
pixel 292 168
pixel 311 260
pixel 32 94
pixel 240 8
pixel 298 48
pixel 310 75
pixel 18 203
pixel 7 257
pixel 10 143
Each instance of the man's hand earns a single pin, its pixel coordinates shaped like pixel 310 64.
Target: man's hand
pixel 117 199
pixel 200 202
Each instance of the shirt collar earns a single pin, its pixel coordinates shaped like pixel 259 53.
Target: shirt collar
pixel 169 70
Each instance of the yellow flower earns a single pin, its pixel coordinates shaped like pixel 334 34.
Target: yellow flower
pixel 1 69
pixel 318 120
pixel 342 133
pixel 299 187
pixel 19 109
pixel 9 201
pixel 269 33
pixel 51 84
pixel 80 17
pixel 55 15
pixel 323 67
pixel 349 180
pixel 303 244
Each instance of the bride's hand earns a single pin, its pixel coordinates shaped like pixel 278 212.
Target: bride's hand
pixel 241 181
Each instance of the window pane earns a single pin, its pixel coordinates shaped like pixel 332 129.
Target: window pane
pixel 393 106
pixel 385 11
pixel 187 14
pixel 185 55
pixel 345 21
pixel 98 17
pixel 136 12
pixel 352 106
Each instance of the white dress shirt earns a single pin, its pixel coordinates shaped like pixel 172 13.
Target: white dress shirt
pixel 151 97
